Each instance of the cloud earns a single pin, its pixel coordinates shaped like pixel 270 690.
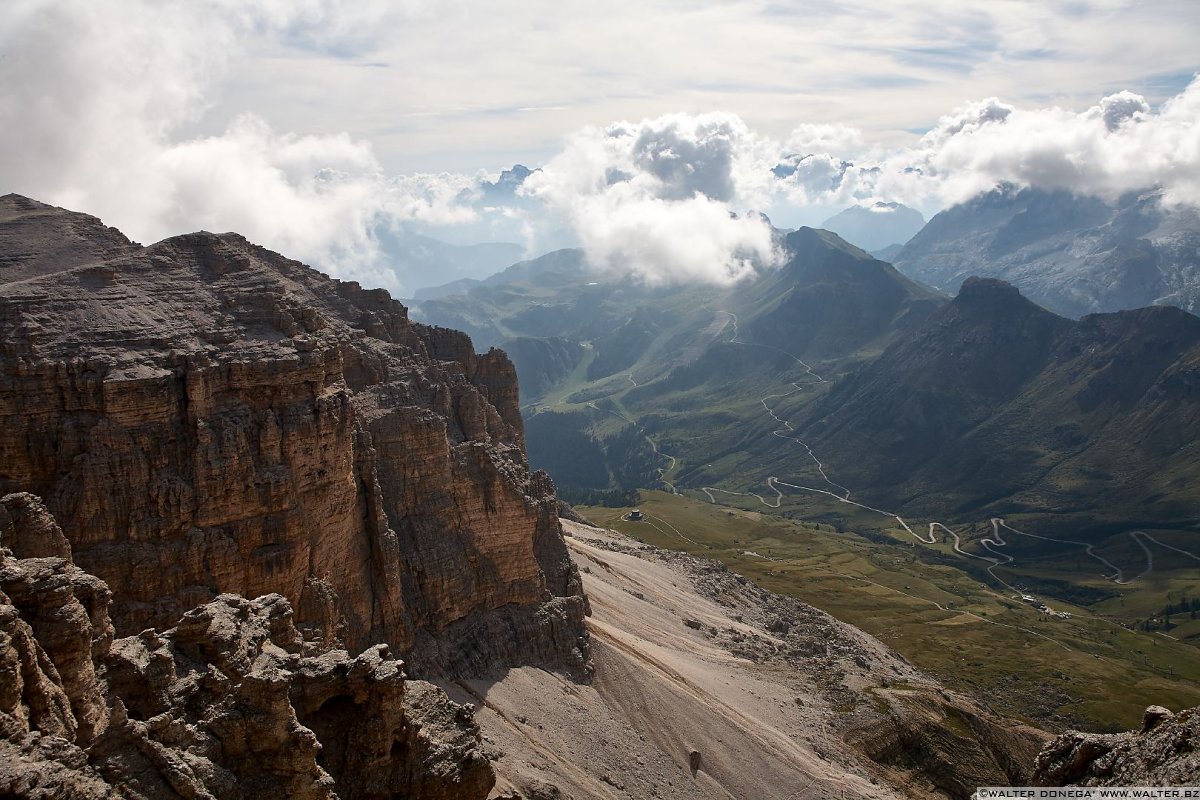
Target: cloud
pixel 968 120
pixel 124 110
pixel 443 198
pixel 1120 144
pixel 809 138
pixel 644 197
pixel 657 199
pixel 98 98
pixel 1121 107
pixel 688 156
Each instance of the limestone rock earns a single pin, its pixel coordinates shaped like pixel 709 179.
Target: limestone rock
pixel 28 529
pixel 1153 716
pixel 36 239
pixel 230 703
pixel 54 620
pixel 203 416
pixel 1164 753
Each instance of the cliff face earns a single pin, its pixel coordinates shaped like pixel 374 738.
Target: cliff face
pixel 229 703
pixel 203 416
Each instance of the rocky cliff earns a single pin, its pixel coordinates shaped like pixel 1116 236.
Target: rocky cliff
pixel 229 703
pixel 203 416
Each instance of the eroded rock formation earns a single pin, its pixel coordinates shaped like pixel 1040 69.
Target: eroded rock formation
pixel 203 416
pixel 1166 752
pixel 229 703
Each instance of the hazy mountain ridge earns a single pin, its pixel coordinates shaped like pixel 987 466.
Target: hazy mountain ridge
pixel 520 300
pixel 989 402
pixel 1073 254
pixel 416 259
pixel 831 298
pixel 669 346
pixel 877 226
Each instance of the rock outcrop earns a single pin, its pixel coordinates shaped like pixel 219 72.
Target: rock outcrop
pixel 229 703
pixel 1166 752
pixel 203 416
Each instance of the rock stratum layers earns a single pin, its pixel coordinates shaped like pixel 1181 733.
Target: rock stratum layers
pixel 204 416
pixel 229 703
pixel 207 421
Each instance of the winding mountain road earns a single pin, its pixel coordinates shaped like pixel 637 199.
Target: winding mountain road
pixel 994 544
pixel 788 430
pixel 991 544
pixel 662 471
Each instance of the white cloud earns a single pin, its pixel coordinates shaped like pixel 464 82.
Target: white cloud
pixel 436 199
pixel 809 138
pixel 1118 145
pixel 643 197
pixel 655 199
pixel 1122 107
pixel 136 110
pixel 968 119
pixel 98 95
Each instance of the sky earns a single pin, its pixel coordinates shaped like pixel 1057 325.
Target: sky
pixel 659 126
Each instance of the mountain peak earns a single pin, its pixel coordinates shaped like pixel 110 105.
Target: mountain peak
pixel 21 202
pixel 877 225
pixel 39 239
pixel 990 298
pixel 805 239
pixel 976 286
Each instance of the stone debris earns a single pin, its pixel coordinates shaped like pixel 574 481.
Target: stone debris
pixel 229 703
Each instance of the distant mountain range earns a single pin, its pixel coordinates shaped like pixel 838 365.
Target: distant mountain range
pixel 876 227
pixel 1074 255
pixel 420 261
pixel 997 406
pixel 986 404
